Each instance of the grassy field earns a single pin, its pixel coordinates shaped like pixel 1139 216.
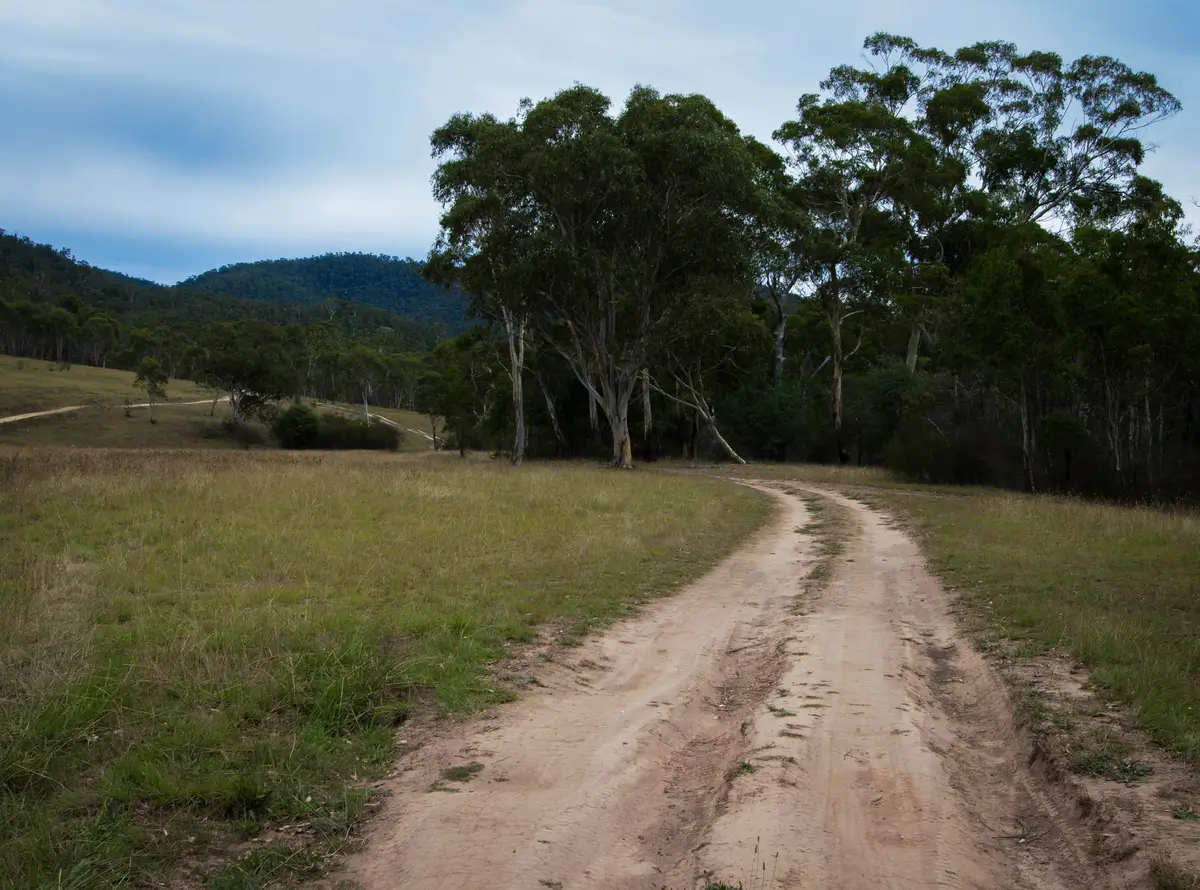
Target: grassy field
pixel 196 647
pixel 29 385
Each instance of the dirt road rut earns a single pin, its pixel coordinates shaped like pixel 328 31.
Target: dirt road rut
pixel 844 740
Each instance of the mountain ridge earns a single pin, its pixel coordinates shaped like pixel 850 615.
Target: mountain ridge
pixel 384 282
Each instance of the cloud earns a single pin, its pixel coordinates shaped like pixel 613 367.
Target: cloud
pixel 303 126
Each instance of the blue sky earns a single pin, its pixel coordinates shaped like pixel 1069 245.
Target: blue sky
pixel 165 137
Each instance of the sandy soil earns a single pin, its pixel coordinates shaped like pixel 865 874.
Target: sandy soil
pixel 845 740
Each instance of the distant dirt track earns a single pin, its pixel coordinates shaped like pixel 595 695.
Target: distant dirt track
pixel 33 415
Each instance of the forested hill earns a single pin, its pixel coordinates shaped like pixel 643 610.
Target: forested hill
pixel 54 306
pixel 384 282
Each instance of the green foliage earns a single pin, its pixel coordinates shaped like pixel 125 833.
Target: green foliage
pixel 783 422
pixel 389 283
pixel 53 307
pixel 297 427
pixel 554 216
pixel 152 378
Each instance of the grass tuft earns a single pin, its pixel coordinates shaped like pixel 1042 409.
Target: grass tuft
pixel 464 773
pixel 744 768
pixel 1166 875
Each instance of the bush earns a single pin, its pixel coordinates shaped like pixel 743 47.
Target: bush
pixel 297 427
pixel 337 432
pixel 226 428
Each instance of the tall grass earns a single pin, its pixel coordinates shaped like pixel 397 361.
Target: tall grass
pixel 196 645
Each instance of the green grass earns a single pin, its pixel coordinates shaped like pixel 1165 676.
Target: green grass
pixel 28 385
pixel 195 646
pixel 1116 588
pixel 462 773
pixel 743 768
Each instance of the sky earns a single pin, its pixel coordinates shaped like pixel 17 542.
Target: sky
pixel 162 138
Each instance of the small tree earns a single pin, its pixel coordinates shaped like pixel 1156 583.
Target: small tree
pixel 153 379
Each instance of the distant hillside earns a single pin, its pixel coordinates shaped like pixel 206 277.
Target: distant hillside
pixel 384 282
pixel 37 278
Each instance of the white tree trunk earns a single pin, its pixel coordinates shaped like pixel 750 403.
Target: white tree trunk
pixel 914 347
pixel 780 332
pixel 647 421
pixel 515 328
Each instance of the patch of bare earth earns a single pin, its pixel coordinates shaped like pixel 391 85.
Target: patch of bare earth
pixel 857 743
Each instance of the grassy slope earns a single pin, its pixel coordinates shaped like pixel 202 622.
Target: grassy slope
pixel 28 385
pixel 414 423
pixel 195 645
pixel 179 426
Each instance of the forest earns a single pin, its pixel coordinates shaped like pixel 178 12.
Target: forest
pixel 389 283
pixel 947 263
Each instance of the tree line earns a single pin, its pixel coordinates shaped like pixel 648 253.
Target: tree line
pixel 947 262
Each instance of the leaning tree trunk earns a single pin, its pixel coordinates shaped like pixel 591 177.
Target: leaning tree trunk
pixel 366 408
pixel 550 409
pixel 914 347
pixel 700 411
pixel 153 409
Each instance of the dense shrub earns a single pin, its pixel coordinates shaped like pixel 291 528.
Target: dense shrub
pixel 337 432
pixel 297 427
pixel 774 423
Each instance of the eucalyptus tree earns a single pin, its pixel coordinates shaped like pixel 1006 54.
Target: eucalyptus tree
pixel 851 153
pixel 619 214
pixel 489 233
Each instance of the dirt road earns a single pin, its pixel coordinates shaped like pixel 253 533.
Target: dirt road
pixel 841 740
pixel 33 415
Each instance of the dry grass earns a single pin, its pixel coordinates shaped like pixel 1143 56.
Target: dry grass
pixel 195 646
pixel 28 385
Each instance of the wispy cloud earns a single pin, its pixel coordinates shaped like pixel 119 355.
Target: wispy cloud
pixel 246 129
